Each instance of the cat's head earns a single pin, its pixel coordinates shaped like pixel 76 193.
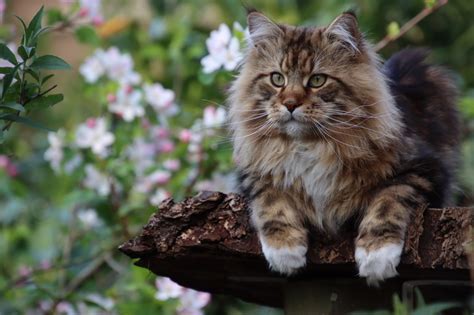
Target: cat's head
pixel 320 83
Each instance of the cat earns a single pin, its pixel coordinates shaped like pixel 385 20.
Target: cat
pixel 323 133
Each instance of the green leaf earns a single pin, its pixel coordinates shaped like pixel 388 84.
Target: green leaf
pixel 87 35
pixel 7 54
pixel 393 29
pixel 50 62
pixel 33 74
pixel 13 105
pixel 7 80
pixel 5 70
pixel 24 120
pixel 23 38
pixel 46 78
pixel 45 101
pixel 430 3
pixel 34 26
pixel 22 52
pixel 420 301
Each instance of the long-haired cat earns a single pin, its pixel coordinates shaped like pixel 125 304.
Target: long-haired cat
pixel 322 133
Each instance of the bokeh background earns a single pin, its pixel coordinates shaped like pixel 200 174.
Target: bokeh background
pixel 143 119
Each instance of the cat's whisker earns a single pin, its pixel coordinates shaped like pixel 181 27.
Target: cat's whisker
pixel 323 134
pixel 337 140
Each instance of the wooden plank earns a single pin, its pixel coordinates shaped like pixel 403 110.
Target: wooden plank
pixel 206 242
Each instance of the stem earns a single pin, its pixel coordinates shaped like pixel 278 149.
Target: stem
pixel 409 25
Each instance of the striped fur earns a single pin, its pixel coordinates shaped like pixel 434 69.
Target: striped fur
pixel 373 142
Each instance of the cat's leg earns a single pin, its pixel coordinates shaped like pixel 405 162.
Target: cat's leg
pixel 280 229
pixel 380 242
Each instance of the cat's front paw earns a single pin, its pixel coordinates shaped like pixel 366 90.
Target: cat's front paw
pixel 285 260
pixel 379 264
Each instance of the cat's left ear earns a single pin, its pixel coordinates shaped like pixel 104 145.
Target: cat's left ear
pixel 262 28
pixel 345 30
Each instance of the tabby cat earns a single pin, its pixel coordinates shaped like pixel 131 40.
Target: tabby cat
pixel 323 133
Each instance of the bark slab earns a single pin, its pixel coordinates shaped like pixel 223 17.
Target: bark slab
pixel 207 243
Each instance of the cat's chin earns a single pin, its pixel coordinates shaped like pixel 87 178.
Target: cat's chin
pixel 295 129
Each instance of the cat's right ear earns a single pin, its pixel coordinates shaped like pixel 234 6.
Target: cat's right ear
pixel 261 28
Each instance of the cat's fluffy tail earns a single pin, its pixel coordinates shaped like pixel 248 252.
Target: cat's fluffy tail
pixel 426 94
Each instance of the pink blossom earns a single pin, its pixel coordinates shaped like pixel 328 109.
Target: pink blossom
pixel 111 98
pixel 172 164
pixel 185 135
pixel 24 271
pixel 161 132
pixel 160 177
pixel 45 264
pixel 94 134
pixel 8 166
pixel 166 146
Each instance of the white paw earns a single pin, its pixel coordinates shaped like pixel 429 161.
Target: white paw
pixel 285 260
pixel 378 265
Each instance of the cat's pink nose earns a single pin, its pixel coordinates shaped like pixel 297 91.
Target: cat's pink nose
pixel 291 104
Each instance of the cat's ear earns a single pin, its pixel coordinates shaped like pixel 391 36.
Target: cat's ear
pixel 345 29
pixel 261 27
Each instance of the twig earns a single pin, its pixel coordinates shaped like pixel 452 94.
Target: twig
pixel 409 25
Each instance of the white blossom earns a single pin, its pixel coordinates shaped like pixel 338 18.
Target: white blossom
pixel 167 289
pixel 55 154
pixel 90 9
pixel 128 104
pixel 93 68
pixel 89 218
pixel 111 62
pixel 97 181
pixel 93 134
pixel 119 67
pixel 225 183
pixel 213 117
pixel 161 99
pixel 192 301
pixel 224 51
pixel 142 154
pixel 147 183
pixel 157 198
pixel 172 164
pixel 71 165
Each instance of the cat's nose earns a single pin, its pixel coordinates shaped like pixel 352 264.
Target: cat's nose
pixel 291 104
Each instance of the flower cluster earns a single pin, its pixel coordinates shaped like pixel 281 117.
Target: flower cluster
pixel 135 153
pixel 111 63
pixel 191 302
pixel 224 49
pixel 90 11
pixel 151 151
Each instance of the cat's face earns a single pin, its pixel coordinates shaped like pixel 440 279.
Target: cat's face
pixel 306 82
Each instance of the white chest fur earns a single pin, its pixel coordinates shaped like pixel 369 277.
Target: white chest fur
pixel 313 164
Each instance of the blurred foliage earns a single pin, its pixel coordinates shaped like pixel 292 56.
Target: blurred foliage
pixel 400 308
pixel 49 256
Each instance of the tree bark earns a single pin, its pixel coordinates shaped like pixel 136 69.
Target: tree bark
pixel 206 242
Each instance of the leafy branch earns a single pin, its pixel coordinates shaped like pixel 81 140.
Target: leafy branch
pixel 23 85
pixel 431 6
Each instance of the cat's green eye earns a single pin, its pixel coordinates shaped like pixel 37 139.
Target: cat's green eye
pixel 317 80
pixel 277 79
